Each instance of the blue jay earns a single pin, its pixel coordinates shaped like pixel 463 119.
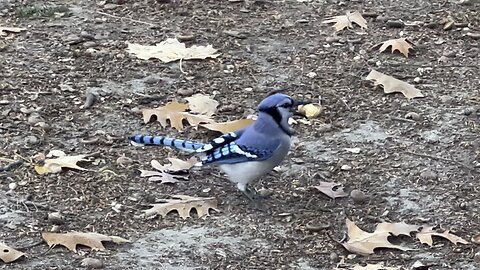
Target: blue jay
pixel 246 154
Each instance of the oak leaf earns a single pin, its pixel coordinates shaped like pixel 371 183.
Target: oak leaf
pixel 183 204
pixel 344 21
pixel 72 239
pixel 425 236
pixel 163 177
pixel 391 85
pixel 402 45
pixel 332 190
pixel 167 173
pixel 397 229
pixel 230 126
pixel 8 254
pixel 172 50
pixel 202 104
pixel 176 165
pixel 174 112
pixel 364 243
pixel 61 160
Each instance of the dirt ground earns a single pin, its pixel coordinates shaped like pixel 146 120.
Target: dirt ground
pixel 423 170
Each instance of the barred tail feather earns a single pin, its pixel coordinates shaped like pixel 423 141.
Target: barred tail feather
pixel 165 141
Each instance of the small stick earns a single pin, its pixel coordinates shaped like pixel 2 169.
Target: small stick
pixel 121 18
pixel 443 159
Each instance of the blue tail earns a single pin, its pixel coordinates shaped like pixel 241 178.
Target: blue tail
pixel 164 141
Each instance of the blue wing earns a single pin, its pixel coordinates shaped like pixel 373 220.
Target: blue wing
pixel 233 153
pixel 220 141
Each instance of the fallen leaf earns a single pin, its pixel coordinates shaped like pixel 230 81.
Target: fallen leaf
pixel 172 50
pixel 378 266
pixel 72 239
pixel 55 165
pixel 230 126
pixel 5 30
pixel 396 229
pixel 391 85
pixel 176 165
pixel 202 104
pixel 400 44
pixel 163 177
pixel 364 243
pixel 425 236
pixel 183 204
pixel 310 110
pixel 344 21
pixel 332 190
pixel 8 254
pixel 174 112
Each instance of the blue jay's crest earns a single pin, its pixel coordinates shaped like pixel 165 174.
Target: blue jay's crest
pixel 275 100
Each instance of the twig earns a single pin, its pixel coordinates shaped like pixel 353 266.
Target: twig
pixel 443 159
pixel 121 18
pixel 402 119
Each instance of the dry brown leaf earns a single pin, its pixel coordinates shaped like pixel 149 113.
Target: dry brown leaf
pixel 344 21
pixel 230 126
pixel 311 110
pixel 5 30
pixel 163 177
pixel 391 85
pixel 332 190
pixel 425 236
pixel 400 44
pixel 176 165
pixel 378 266
pixel 183 204
pixel 174 112
pixel 364 243
pixel 8 254
pixel 171 50
pixel 396 229
pixel 72 239
pixel 202 104
pixel 55 165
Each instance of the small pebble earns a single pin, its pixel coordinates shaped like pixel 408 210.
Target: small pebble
pixel 56 218
pixel 395 24
pixel 152 79
pixel 428 175
pixel 185 92
pixel 346 168
pixel 123 161
pixel 463 206
pixel 91 263
pixel 55 229
pixel 89 44
pixel 12 186
pixel 358 196
pixel 476 257
pixel 412 115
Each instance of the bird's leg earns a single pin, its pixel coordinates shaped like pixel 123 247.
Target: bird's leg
pixel 250 193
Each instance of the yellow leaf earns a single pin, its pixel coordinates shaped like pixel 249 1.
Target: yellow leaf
pixel 425 236
pixel 183 204
pixel 55 165
pixel 174 112
pixel 391 85
pixel 230 126
pixel 72 239
pixel 8 254
pixel 172 50
pixel 342 22
pixel 400 44
pixel 202 104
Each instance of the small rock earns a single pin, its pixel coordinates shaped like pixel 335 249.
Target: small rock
pixel 55 229
pixel 332 39
pixel 110 6
pixel 91 263
pixel 56 218
pixel 185 92
pixel 322 128
pixel 463 206
pixel 72 39
pixel 152 79
pixel 34 118
pixel 476 257
pixel 264 192
pixel 333 257
pixel 358 196
pixel 185 38
pixel 31 139
pixel 123 161
pixel 86 35
pixel 446 99
pixel 428 175
pixel 346 167
pixel 12 186
pixel 469 110
pixel 89 44
pixel 395 24
pixel 412 115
